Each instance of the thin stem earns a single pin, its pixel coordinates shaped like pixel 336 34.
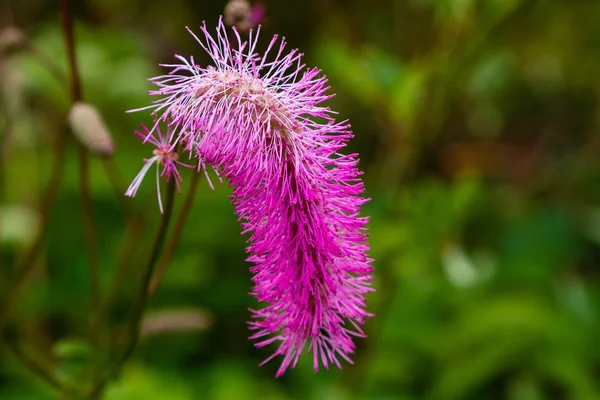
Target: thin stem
pixel 26 265
pixel 90 235
pixel 135 320
pixel 39 369
pixel 135 224
pixel 67 24
pixel 2 191
pixel 7 14
pixel 4 153
pixel 127 252
pixel 110 168
pixel 143 295
pixel 46 62
pixel 116 182
pixel 86 198
pixel 177 231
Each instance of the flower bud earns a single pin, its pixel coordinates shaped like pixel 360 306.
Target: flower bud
pixel 242 15
pixel 11 38
pixel 236 11
pixel 89 128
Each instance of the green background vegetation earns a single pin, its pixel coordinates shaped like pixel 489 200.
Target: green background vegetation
pixel 478 126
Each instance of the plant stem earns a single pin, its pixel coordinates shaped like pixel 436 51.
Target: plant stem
pixel 39 369
pixel 7 14
pixel 110 168
pixel 86 198
pixel 143 296
pixel 135 320
pixel 26 265
pixel 4 153
pixel 67 24
pixel 135 223
pixel 127 252
pixel 116 182
pixel 175 236
pixel 90 234
pixel 46 62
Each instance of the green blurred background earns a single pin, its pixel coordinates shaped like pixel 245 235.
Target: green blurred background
pixel 477 122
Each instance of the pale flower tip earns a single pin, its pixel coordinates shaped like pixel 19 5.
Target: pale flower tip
pixel 236 11
pixel 89 128
pixel 12 38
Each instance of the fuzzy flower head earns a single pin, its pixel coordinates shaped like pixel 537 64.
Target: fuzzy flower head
pixel 164 155
pixel 259 120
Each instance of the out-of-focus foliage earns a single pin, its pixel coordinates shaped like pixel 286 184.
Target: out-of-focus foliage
pixel 478 126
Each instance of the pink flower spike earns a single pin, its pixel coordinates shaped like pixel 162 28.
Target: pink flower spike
pixel 260 120
pixel 164 154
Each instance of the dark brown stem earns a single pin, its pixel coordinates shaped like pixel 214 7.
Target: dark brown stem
pixel 176 235
pixel 86 198
pixel 67 24
pixel 7 14
pixel 110 168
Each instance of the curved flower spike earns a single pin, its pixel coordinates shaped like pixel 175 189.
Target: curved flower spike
pixel 260 120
